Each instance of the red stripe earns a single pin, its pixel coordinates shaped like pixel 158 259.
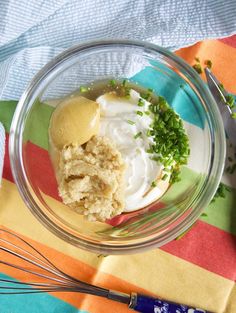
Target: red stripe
pixel 7 168
pixel 231 41
pixel 205 245
pixel 38 162
pixel 209 247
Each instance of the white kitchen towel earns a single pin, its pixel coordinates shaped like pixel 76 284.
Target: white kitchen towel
pixel 32 32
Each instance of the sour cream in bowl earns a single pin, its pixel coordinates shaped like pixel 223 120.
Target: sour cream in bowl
pixel 126 124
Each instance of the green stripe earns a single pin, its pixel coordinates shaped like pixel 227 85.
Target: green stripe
pixel 37 125
pixel 7 109
pixel 221 213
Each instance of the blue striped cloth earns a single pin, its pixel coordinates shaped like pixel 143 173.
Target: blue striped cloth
pixel 32 32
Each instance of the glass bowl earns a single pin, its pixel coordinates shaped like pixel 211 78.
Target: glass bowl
pixel 149 66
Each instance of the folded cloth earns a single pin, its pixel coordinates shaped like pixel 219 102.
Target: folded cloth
pixel 34 32
pixel 2 149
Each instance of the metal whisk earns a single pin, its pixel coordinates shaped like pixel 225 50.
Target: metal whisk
pixel 51 279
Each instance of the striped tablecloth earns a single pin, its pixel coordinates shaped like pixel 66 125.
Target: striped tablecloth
pixel 199 269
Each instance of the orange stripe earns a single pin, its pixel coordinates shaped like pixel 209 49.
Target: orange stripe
pixel 76 269
pixel 223 58
pixel 173 278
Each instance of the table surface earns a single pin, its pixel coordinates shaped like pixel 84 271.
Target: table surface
pixel 199 269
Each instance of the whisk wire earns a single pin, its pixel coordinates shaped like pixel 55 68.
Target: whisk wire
pixel 31 262
pixel 62 281
pixel 46 264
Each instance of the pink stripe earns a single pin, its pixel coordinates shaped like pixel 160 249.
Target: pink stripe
pixel 231 41
pixel 209 247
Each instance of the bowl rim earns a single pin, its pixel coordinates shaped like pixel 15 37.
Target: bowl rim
pixel 20 177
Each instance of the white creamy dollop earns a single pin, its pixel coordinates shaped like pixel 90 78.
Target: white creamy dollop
pixel 141 171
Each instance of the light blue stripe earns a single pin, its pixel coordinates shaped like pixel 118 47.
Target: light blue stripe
pixel 177 92
pixel 35 303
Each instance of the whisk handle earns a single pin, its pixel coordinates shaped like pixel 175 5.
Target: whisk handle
pixel 147 304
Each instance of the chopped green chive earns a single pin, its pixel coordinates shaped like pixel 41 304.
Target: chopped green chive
pixel 208 63
pixel 139 113
pixel 164 177
pixel 140 102
pixel 147 95
pixel 198 68
pixel 204 214
pixel 84 89
pixel 112 83
pixel 130 122
pixel 150 150
pixel 220 192
pixel 124 83
pixel 147 112
pixel 230 102
pixel 139 134
pixel 233 115
pixel 153 184
pixel 222 87
pixel 125 89
pixel 127 92
pixel 197 59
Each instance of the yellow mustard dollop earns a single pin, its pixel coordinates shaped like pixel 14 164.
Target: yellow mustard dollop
pixel 74 121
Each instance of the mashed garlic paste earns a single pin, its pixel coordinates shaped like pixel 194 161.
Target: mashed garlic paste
pixel 92 178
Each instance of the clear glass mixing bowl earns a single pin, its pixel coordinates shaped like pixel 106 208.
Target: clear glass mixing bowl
pixel 152 67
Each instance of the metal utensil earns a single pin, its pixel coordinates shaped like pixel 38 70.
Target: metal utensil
pixel 220 96
pixel 52 279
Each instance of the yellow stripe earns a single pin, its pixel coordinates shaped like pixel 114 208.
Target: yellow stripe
pixel 231 305
pixel 173 278
pixel 156 271
pixel 15 215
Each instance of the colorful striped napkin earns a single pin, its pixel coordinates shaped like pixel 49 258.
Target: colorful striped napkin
pixel 199 269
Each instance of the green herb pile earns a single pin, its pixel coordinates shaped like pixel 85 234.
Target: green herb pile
pixel 170 143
